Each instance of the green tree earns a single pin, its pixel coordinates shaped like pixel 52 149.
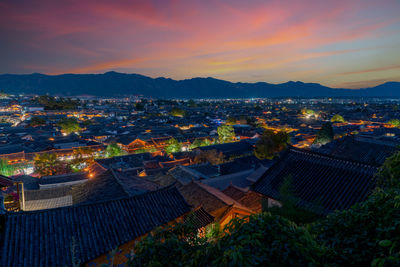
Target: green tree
pixel 48 164
pixel 271 143
pixel 394 123
pixel 366 234
pixel 306 111
pixel 325 134
pixel 114 150
pixel 7 169
pixel 266 240
pixel 388 175
pixel 37 121
pixel 173 245
pixel 82 157
pixel 337 118
pixel 259 240
pixel 211 156
pixel 173 146
pixel 69 125
pixel 196 143
pixel 177 112
pixel 226 133
pixel 51 103
pixel 200 142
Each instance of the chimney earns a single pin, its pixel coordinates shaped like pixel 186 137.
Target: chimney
pixel 2 208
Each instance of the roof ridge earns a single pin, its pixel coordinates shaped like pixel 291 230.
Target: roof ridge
pixel 320 154
pixel 119 181
pixel 234 202
pixel 167 188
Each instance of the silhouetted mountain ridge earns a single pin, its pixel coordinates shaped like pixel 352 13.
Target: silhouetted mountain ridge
pixel 115 84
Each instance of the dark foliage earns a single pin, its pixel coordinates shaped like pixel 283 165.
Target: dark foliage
pixel 325 134
pixel 367 233
pixel 51 103
pixel 271 143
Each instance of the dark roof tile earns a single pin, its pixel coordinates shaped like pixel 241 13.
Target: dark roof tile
pixel 322 182
pixel 45 238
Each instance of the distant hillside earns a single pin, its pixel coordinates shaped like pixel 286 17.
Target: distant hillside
pixel 114 84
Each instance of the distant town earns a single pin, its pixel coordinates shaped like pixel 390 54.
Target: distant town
pixel 77 163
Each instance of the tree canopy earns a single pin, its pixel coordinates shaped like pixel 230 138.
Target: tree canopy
pixel 114 150
pixel 82 157
pixel 48 164
pixel 211 156
pixel 394 123
pixel 200 142
pixel 52 103
pixel 178 112
pixel 306 111
pixel 7 169
pixel 226 133
pixel 271 143
pixel 37 121
pixel 337 118
pixel 173 146
pixel 325 134
pixel 69 125
pixel 389 173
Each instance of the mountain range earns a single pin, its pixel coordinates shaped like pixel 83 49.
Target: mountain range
pixel 121 84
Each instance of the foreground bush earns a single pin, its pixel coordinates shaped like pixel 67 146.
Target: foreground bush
pixel 367 233
pixel 263 239
pixel 267 240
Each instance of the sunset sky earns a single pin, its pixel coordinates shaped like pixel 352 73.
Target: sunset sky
pixel 351 44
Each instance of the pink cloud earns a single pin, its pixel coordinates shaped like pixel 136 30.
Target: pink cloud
pixel 224 36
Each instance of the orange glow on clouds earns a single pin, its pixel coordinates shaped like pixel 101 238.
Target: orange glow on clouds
pixel 336 43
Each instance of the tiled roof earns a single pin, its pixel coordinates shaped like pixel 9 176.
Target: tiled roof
pixel 50 203
pixel 229 149
pixel 238 179
pixel 63 178
pixel 46 238
pixel 110 185
pixel 185 175
pixel 47 193
pixel 101 187
pixel 365 149
pixel 247 198
pixel 125 162
pixel 134 185
pixel 199 218
pixel 212 200
pixel 206 169
pixel 320 182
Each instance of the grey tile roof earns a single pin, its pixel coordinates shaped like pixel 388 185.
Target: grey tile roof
pixel 185 175
pixel 135 185
pixel 125 162
pixel 364 149
pixel 47 193
pixel 321 182
pixel 50 203
pixel 199 218
pixel 238 179
pixel 45 238
pixel 99 188
pixel 63 178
